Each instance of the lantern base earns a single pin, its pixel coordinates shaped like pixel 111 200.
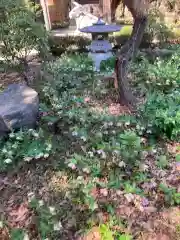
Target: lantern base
pixel 98 58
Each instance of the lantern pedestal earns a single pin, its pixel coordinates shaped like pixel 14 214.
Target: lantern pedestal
pixel 98 58
pixel 100 48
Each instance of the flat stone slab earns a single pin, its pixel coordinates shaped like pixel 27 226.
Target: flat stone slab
pixel 68 32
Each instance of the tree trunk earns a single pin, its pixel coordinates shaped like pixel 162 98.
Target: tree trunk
pixel 125 55
pixel 26 73
pixel 114 5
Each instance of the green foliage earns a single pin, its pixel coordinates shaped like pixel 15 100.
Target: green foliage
pixel 130 187
pixel 125 237
pixel 17 234
pixel 125 31
pixel 178 158
pixel 106 233
pixel 98 133
pixel 102 150
pixel 82 192
pixel 86 164
pixel 161 75
pixel 162 162
pixel 23 146
pixel 47 218
pixel 130 147
pixel 119 38
pixel 172 197
pixel 176 32
pixel 59 45
pixel 101 153
pixel 67 77
pixel 88 198
pixel 159 80
pixel 20 33
pixel 108 65
pixel 140 177
pixel 162 112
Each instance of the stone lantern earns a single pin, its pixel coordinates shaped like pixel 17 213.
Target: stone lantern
pixel 100 48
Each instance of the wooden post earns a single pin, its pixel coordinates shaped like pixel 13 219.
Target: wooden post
pixel 106 9
pixel 46 14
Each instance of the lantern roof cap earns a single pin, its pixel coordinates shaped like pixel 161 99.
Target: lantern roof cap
pixel 101 27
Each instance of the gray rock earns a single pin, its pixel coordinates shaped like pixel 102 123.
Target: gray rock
pixel 19 107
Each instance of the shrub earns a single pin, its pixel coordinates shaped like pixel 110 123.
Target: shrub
pixel 119 38
pixel 20 33
pixel 162 113
pixel 101 135
pixel 60 45
pixel 68 76
pixel 161 75
pixel 130 147
pixel 108 65
pixel 46 218
pixel 23 146
pixel 172 197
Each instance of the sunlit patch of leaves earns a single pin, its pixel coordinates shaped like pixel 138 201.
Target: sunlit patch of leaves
pixel 24 146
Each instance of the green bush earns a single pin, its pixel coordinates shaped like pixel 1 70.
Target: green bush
pixel 23 146
pixel 119 38
pixel 108 65
pixel 68 77
pixel 125 31
pixel 59 45
pixel 72 79
pixel 161 76
pixel 20 33
pixel 46 218
pixel 172 197
pixel 162 113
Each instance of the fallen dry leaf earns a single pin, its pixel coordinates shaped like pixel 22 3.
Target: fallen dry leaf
pixel 94 234
pixel 19 216
pixel 150 209
pixel 153 236
pixel 4 234
pixel 124 211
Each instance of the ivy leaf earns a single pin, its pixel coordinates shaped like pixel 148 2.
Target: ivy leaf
pixel 17 234
pixel 125 237
pixel 178 158
pixel 162 161
pixel 106 233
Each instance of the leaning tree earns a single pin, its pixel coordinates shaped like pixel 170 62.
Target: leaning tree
pixel 139 11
